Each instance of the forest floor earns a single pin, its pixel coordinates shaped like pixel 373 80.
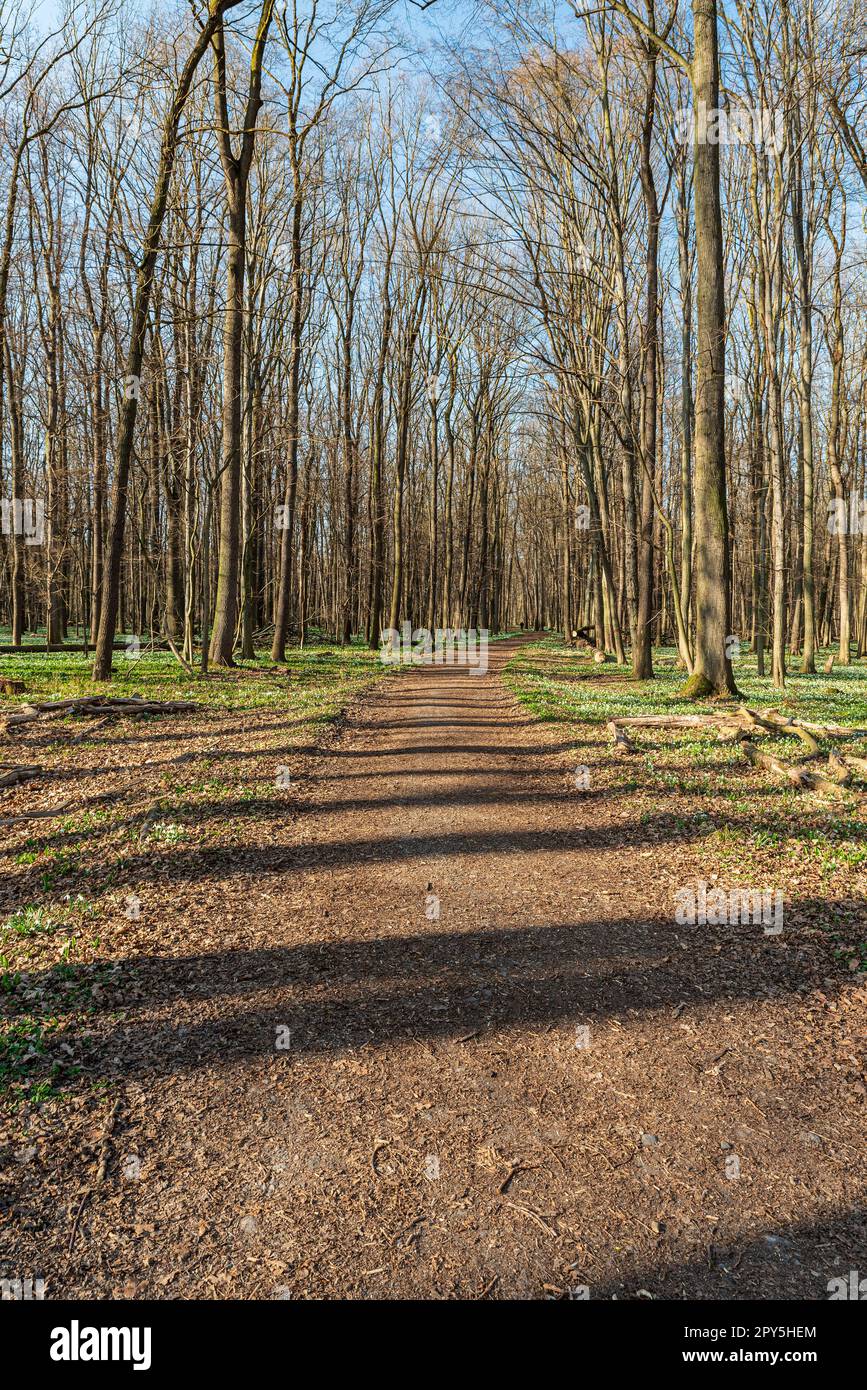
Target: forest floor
pixel 299 1003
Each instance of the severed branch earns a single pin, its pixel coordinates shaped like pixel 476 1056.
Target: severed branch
pixel 96 705
pixel 797 773
pixel 746 725
pixel 181 659
pixel 750 723
pixel 38 815
pixel 622 742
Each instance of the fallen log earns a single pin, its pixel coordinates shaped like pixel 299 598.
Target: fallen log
pixel 751 722
pixel 136 707
pixel 797 773
pixel 730 725
pixel 37 815
pixel 28 716
pixel 786 771
pixel 89 706
pixel 786 725
pixel 747 725
pixel 36 706
pixel 838 768
pixel 857 764
pixel 105 708
pixel 669 721
pixel 181 659
pixel 823 730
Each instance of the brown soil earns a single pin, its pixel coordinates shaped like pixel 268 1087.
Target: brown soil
pixel 433 926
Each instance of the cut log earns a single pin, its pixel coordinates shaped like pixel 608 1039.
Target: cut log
pixel 622 741
pixel 838 768
pixel 823 730
pixel 671 721
pixel 795 773
pixel 857 764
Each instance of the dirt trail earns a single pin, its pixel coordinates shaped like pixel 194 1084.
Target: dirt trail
pixel 429 938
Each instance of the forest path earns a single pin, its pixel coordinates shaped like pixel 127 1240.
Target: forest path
pixel 427 940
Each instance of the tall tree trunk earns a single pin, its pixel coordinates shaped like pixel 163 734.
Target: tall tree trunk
pixel 686 404
pixel 642 650
pixel 236 171
pixel 713 671
pixel 135 354
pixel 284 591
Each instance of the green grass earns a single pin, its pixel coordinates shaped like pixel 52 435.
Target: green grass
pixel 45 1027
pixel 27 1070
pixel 318 678
pixel 29 921
pixel 748 821
pixel 65 879
pixel 554 683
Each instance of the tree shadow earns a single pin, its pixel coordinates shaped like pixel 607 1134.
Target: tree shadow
pixel 787 1262
pixel 338 995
